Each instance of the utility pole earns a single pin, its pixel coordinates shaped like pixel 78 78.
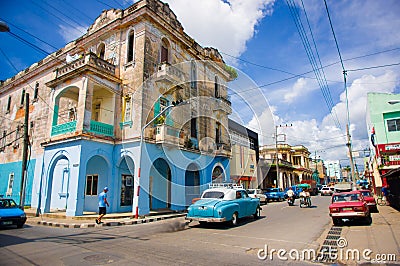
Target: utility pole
pixel 276 156
pixel 24 153
pixel 350 153
pixel 276 152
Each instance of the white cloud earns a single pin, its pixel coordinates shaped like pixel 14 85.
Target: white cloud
pixel 71 33
pixel 357 100
pixel 299 89
pixel 328 140
pixel 225 25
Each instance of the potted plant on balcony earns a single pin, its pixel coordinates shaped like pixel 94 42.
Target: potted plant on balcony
pixel 188 143
pixel 160 120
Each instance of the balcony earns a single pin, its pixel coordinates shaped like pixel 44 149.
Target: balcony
pixel 282 163
pixel 223 104
pixel 96 128
pixel 65 128
pixel 170 74
pixel 223 149
pixel 103 129
pixel 88 62
pixel 166 134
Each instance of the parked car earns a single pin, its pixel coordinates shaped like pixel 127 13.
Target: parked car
pixel 350 206
pixel 274 194
pixel 369 198
pixel 224 203
pixel 257 193
pixel 327 191
pixel 11 214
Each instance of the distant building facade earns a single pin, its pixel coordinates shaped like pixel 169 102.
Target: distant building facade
pixel 293 165
pixel 245 155
pixel 134 104
pixel 319 165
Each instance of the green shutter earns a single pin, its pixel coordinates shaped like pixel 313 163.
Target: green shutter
pixel 55 115
pixel 157 107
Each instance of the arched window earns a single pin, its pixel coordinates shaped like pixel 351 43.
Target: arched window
pixel 164 57
pixel 216 87
pixel 101 49
pixel 131 44
pixel 193 75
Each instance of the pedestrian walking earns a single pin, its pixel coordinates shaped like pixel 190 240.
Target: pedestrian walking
pixel 102 205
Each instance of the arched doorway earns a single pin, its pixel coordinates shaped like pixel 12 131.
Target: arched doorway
pixel 192 183
pixel 218 175
pixel 97 171
pixel 160 185
pixel 127 170
pixel 58 185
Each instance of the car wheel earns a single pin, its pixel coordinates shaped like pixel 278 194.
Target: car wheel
pixel 20 225
pixel 336 221
pixel 257 213
pixel 368 220
pixel 235 219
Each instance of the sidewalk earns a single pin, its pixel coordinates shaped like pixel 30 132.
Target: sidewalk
pixel 382 238
pixel 88 219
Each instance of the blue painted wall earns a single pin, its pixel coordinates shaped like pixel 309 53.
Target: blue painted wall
pixel 15 167
pixel 109 162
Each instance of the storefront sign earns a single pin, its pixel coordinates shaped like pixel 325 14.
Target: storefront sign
pixel 394 158
pixel 393 147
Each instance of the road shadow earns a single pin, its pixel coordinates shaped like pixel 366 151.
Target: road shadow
pixel 227 225
pixel 354 223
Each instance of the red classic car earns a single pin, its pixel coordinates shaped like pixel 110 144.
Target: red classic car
pixel 369 198
pixel 349 206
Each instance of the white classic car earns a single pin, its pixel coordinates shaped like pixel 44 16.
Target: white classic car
pixel 257 193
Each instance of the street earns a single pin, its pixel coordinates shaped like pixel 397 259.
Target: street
pixel 170 242
pixel 173 242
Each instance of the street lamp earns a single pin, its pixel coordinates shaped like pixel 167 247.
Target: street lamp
pixel 4 27
pixel 174 104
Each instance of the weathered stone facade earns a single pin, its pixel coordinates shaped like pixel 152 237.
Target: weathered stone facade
pixel 100 91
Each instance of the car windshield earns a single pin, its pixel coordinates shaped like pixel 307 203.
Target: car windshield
pixel 213 195
pixel 6 203
pixel 366 193
pixel 251 192
pixel 346 197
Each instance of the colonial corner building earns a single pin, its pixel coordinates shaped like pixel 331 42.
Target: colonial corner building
pixel 134 104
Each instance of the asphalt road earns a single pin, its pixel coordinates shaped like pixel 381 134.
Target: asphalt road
pixel 171 242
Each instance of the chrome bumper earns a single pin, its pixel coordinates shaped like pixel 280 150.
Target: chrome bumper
pixel 205 219
pixel 348 214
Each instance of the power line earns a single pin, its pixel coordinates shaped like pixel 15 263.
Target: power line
pixel 373 67
pixel 347 98
pixel 317 68
pixel 61 19
pixel 334 35
pixel 27 82
pixel 64 14
pixel 9 23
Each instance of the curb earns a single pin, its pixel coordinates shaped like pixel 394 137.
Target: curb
pixel 108 223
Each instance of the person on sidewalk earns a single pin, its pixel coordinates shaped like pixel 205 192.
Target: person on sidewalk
pixel 102 205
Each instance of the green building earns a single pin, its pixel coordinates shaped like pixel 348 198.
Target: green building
pixel 383 124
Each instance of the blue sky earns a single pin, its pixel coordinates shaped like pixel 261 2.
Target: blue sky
pixel 260 39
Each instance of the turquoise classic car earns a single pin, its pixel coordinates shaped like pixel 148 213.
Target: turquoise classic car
pixel 223 203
